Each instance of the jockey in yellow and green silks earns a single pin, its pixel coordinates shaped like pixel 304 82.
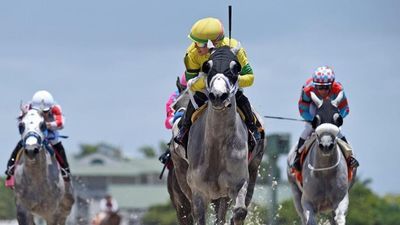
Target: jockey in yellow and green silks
pixel 204 30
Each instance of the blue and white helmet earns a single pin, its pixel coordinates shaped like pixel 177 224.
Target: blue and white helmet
pixel 42 100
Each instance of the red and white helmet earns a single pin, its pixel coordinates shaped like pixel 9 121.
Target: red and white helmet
pixel 323 75
pixel 42 100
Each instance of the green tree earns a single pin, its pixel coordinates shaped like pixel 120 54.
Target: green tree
pixel 7 203
pixel 148 151
pixel 160 215
pixel 151 152
pixel 107 149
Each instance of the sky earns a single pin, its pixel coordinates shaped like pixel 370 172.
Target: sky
pixel 111 65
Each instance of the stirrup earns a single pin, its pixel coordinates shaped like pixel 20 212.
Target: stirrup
pixel 180 138
pixel 353 162
pixel 10 171
pixel 66 175
pixel 165 157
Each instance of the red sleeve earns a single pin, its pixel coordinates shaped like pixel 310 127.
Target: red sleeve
pixel 58 117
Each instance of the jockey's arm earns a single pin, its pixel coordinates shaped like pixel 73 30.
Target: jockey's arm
pixel 58 122
pixel 246 78
pixel 304 106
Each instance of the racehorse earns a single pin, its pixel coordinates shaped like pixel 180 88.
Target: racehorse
pixel 39 187
pixel 217 149
pixel 178 187
pixel 177 174
pixel 325 184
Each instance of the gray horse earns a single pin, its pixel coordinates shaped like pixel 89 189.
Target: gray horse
pixel 177 175
pixel 325 174
pixel 217 148
pixel 178 188
pixel 39 187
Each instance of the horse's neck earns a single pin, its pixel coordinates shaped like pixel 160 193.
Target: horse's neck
pixel 37 167
pixel 318 160
pixel 219 121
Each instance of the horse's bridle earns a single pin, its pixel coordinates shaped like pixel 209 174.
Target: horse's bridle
pixel 232 88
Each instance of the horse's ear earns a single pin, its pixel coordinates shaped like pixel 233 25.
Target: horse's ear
pixel 207 66
pixel 179 85
pixel 235 67
pixel 339 98
pixel 318 102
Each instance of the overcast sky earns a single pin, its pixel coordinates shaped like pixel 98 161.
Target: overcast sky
pixel 111 65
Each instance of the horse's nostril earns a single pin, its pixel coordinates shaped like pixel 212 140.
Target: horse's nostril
pixel 224 96
pixel 321 146
pixel 212 96
pixel 331 146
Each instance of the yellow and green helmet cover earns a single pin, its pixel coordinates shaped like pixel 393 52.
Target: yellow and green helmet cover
pixel 207 29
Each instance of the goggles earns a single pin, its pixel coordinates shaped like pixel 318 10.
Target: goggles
pixel 323 87
pixel 200 45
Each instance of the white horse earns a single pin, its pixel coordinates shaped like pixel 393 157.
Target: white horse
pixel 39 187
pixel 325 185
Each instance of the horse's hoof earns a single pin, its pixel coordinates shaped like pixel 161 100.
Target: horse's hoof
pixel 239 214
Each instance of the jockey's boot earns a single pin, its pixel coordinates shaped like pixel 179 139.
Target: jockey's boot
pixel 11 162
pixel 165 157
pixel 62 160
pixel 183 135
pixel 244 105
pixel 296 162
pixel 351 161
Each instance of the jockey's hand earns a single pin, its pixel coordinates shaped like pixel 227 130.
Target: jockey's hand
pixel 49 125
pixel 177 115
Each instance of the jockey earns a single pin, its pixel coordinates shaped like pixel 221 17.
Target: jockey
pixel 43 101
pixel 172 116
pixel 203 31
pixel 323 84
pixel 108 204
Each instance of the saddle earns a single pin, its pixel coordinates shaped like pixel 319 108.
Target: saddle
pixel 304 150
pixel 257 121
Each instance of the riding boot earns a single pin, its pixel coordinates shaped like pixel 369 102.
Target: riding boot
pixel 296 162
pixel 182 137
pixel 62 160
pixel 11 162
pixel 351 161
pixel 244 105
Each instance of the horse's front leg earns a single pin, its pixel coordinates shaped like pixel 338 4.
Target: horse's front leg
pixel 199 206
pixel 24 217
pixel 240 210
pixel 221 207
pixel 339 215
pixel 309 213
